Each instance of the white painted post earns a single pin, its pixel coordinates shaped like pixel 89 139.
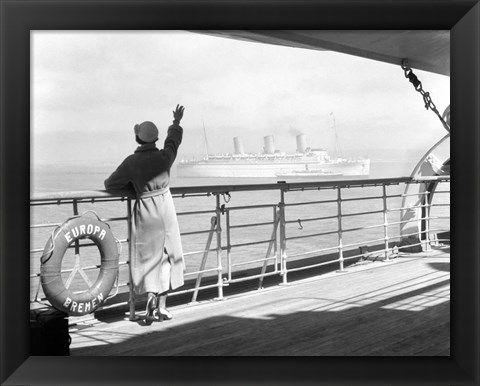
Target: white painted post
pixel 385 221
pixel 219 250
pixel 283 241
pixel 340 229
pixel 229 248
pixel 131 292
pixel 427 220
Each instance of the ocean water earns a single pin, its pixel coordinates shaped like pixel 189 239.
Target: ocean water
pixel 300 218
pixel 64 177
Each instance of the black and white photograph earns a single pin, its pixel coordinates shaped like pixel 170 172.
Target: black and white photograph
pixel 235 193
pixel 239 193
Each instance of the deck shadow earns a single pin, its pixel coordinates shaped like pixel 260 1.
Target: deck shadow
pixel 445 267
pixel 395 326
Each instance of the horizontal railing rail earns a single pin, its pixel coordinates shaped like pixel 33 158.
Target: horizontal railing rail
pixel 257 246
pixel 219 189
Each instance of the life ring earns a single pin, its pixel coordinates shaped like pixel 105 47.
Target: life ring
pixel 61 297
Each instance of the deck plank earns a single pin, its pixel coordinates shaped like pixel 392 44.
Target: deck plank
pixel 400 308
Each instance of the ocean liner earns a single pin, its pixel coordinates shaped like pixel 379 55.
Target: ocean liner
pixel 304 163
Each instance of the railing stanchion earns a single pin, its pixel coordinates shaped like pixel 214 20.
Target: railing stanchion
pixel 213 223
pixel 75 207
pixel 219 249
pixel 75 213
pixel 427 200
pixel 283 241
pixel 229 247
pixel 276 216
pixel 131 292
pixel 385 221
pixel 271 245
pixel 340 229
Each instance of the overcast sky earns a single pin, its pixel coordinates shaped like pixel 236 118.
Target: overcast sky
pixel 90 88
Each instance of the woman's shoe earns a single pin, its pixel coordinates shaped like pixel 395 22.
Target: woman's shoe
pixel 163 314
pixel 150 311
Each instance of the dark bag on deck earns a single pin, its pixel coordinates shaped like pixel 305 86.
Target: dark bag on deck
pixel 49 332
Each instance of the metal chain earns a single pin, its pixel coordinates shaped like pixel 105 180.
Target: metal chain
pixel 426 95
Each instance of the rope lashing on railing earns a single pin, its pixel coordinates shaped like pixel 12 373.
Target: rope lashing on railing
pixel 225 195
pixel 52 248
pixel 417 84
pixel 59 228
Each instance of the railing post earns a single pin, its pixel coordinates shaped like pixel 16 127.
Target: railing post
pixel 229 247
pixel 219 249
pixel 427 199
pixel 75 213
pixel 131 292
pixel 276 216
pixel 283 241
pixel 340 229
pixel 385 221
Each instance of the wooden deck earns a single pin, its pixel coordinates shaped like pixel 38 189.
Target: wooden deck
pixel 400 308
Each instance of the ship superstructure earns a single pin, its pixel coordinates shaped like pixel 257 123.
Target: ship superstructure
pixel 305 162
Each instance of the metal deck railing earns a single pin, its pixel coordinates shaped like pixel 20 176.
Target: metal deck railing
pixel 286 227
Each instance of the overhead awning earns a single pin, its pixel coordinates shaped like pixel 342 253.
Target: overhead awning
pixel 425 50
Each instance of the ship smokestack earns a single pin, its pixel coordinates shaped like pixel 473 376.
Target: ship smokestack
pixel 269 147
pixel 238 145
pixel 301 143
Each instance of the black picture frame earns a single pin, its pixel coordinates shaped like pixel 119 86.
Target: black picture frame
pixel 18 18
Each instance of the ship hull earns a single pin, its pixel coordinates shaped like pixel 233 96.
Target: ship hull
pixel 271 169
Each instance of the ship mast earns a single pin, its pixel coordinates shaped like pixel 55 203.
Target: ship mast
pixel 337 147
pixel 206 141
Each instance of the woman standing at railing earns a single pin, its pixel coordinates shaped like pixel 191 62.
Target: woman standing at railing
pixel 157 263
